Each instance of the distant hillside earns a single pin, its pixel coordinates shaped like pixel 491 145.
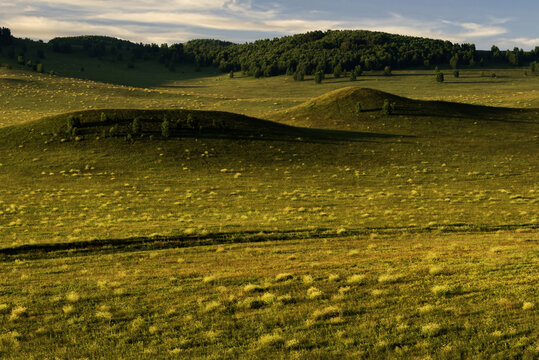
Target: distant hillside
pixel 329 52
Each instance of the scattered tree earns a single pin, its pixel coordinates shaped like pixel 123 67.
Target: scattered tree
pixel 387 71
pixel 440 77
pixel 387 107
pixel 104 118
pixel 231 74
pixel 39 68
pixel 456 73
pixel 299 75
pixel 353 76
pixel 318 77
pixel 165 128
pixel 358 108
pixel 136 126
pixel 72 123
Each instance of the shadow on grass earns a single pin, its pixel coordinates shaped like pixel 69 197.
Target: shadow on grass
pixel 108 246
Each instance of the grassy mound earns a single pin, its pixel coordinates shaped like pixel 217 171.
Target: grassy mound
pixel 118 123
pixel 339 109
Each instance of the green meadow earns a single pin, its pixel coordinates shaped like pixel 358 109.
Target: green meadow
pixel 272 219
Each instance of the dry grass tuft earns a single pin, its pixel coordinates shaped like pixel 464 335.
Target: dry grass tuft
pixel 436 270
pixel 283 277
pixel 327 313
pixel 314 293
pixel 72 297
pixel 271 340
pixel 253 288
pixel 17 312
pixel 443 290
pixel 356 279
pixel 390 278
pixel 528 306
pixel 431 329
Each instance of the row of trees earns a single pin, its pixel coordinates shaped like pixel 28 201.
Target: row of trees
pixel 329 52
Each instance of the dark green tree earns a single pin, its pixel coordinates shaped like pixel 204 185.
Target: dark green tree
pixel 440 77
pixel 387 107
pixel 136 126
pixel 318 77
pixel 353 76
pixel 165 128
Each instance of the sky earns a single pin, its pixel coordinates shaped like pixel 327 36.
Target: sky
pixel 507 24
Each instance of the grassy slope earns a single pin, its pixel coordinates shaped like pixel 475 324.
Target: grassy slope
pixel 432 200
pixel 28 96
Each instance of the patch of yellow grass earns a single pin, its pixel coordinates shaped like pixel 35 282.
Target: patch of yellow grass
pixel 326 313
pixel 390 278
pixel 314 293
pixel 283 277
pixel 271 340
pixel 356 279
pixel 431 329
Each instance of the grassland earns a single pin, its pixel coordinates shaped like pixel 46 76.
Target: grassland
pixel 405 236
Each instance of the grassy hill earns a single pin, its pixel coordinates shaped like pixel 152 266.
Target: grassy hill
pixel 365 235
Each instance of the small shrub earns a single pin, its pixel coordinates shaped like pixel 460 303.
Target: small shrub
pixel 456 73
pixel 387 108
pixel 440 77
pixel 387 71
pixel 358 108
pixel 165 128
pixel 136 126
pixel 103 118
pixel 231 74
pixel 493 75
pixel 353 76
pixel 114 131
pixel 40 68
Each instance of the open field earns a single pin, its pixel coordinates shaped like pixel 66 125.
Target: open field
pixel 28 96
pixel 405 236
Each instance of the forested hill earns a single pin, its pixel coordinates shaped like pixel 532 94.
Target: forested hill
pixel 324 51
pixel 331 51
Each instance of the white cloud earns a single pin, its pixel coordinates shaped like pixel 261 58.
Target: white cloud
pixel 180 20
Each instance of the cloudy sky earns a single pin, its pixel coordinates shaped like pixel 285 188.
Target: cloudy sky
pixel 482 22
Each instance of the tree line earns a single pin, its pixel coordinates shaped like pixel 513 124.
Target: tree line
pixel 327 52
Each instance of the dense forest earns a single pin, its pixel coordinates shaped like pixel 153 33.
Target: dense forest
pixel 302 54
